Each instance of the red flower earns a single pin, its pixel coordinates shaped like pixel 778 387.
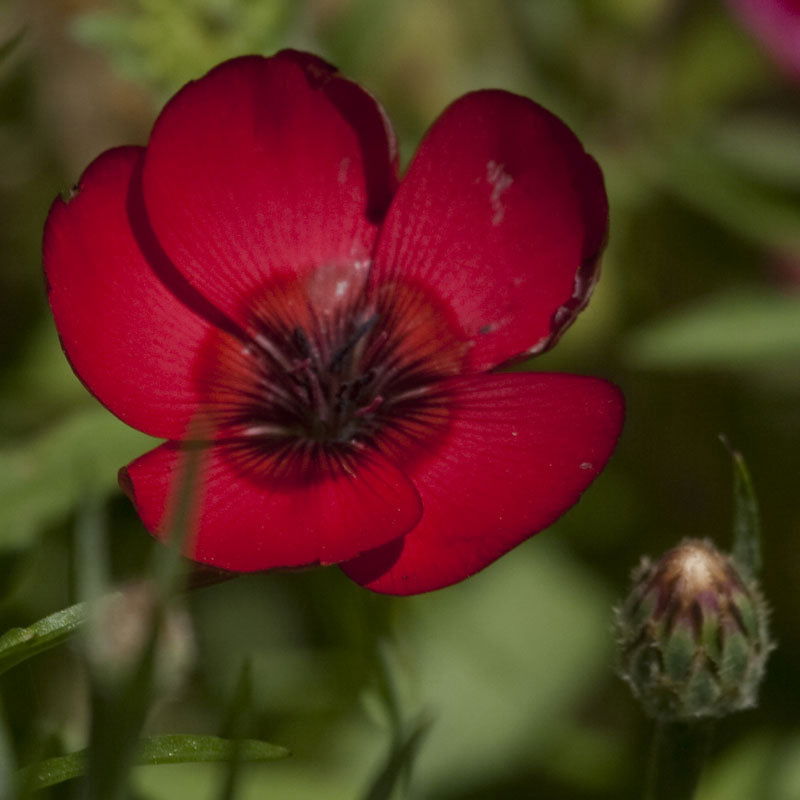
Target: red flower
pixel 257 268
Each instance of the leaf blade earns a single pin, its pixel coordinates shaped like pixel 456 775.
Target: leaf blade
pixel 19 644
pixel 746 516
pixel 735 330
pixel 164 749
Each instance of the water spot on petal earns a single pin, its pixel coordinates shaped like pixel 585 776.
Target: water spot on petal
pixel 500 181
pixel 344 168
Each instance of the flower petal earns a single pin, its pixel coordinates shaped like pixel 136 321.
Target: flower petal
pixel 267 168
pixel 248 520
pixel 128 337
pixel 521 450
pixel 776 23
pixel 503 215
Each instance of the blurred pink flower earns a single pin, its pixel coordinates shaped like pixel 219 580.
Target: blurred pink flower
pixel 776 24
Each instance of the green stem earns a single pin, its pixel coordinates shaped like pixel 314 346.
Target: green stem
pixel 677 757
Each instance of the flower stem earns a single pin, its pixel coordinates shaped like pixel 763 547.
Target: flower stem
pixel 677 758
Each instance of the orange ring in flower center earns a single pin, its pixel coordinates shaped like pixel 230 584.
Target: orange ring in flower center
pixel 327 369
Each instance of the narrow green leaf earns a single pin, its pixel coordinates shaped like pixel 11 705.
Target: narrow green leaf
pixel 6 760
pixel 169 567
pixel 19 644
pixel 166 749
pixel 398 764
pixel 764 146
pixel 91 552
pixel 751 209
pixel 10 45
pixel 746 516
pixel 388 677
pixel 180 748
pixel 119 711
pixel 735 330
pixel 235 728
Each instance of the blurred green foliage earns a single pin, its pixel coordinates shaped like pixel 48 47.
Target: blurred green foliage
pixel 163 45
pixel 736 329
pixel 696 318
pixel 44 477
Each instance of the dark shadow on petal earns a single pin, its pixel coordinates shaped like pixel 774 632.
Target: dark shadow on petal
pixel 369 122
pixel 372 127
pixel 161 264
pixel 370 566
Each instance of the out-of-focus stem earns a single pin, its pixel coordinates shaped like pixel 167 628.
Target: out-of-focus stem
pixel 677 757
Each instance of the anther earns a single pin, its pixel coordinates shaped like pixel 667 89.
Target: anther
pixel 373 405
pixel 301 341
pixel 362 330
pixel 300 365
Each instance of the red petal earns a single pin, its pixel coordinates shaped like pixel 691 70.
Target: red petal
pixel 129 338
pixel 246 521
pixel 521 449
pixel 264 168
pixel 503 215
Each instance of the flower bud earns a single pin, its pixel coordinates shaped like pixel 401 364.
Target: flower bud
pixel 693 634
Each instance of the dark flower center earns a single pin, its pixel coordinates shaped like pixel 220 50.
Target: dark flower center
pixel 321 388
pixel 328 371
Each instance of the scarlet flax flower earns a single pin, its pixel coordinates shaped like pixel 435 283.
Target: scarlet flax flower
pixel 256 276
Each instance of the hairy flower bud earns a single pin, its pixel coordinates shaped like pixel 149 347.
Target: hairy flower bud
pixel 693 634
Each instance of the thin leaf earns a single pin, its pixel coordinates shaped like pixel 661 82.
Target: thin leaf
pixel 169 567
pixel 238 715
pixel 388 678
pixel 764 215
pixel 118 716
pixel 10 45
pixel 91 552
pixel 742 329
pixel 767 147
pixel 19 644
pixel 180 748
pixel 119 711
pixel 45 740
pixel 167 749
pixel 6 760
pixel 399 763
pixel 120 696
pixel 746 516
